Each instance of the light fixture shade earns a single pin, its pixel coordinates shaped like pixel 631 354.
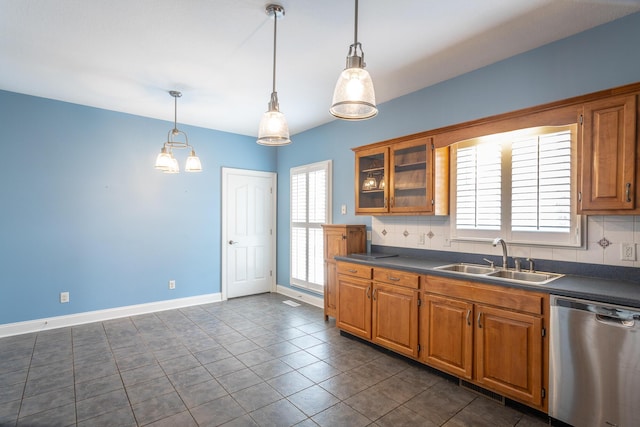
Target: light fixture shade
pixel 274 129
pixel 354 97
pixel 193 163
pixel 173 166
pixel 163 161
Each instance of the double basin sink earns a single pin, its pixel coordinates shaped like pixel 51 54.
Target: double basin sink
pixel 526 277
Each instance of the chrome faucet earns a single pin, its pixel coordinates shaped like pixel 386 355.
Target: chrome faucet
pixel 504 250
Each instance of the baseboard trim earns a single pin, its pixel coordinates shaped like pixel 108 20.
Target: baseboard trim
pixel 300 296
pixel 45 324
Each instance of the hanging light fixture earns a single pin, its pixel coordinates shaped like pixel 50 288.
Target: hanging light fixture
pixel 273 126
pixel 354 97
pixel 165 160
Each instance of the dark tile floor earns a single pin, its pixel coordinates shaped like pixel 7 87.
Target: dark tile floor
pixel 243 362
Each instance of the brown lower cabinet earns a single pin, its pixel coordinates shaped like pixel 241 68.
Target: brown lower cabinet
pixel 385 313
pixel 489 335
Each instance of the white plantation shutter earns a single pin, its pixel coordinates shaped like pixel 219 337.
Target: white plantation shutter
pixel 541 183
pixel 479 187
pixel 518 186
pixel 310 208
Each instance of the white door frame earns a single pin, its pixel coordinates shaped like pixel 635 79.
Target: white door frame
pixel 224 243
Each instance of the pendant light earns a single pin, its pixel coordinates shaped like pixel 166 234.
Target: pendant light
pixel 274 130
pixel 165 160
pixel 354 97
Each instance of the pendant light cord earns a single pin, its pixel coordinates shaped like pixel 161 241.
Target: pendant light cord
pixel 175 113
pixel 275 31
pixel 355 31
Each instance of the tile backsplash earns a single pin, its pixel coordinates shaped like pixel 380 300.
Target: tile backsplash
pixel 605 236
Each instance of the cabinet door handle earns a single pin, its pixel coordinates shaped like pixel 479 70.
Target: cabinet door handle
pixel 392 202
pixel 368 292
pixel 479 320
pixel 374 294
pixel 628 191
pixel 385 202
pixel 468 317
pixel 394 279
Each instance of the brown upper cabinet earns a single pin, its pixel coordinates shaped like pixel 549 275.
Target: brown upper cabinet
pixel 403 176
pixel 609 156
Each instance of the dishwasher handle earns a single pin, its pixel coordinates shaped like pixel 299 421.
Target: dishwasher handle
pixel 604 313
pixel 615 321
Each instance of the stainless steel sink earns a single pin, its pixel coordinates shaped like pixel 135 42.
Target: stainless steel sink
pixel 525 276
pixel 467 268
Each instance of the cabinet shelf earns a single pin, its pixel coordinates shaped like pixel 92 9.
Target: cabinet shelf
pixel 372 191
pixel 410 166
pixel 422 189
pixel 372 170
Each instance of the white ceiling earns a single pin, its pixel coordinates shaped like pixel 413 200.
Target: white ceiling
pixel 125 55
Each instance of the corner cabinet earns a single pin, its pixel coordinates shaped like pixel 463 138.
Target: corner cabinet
pixel 407 177
pixel 339 240
pixel 609 157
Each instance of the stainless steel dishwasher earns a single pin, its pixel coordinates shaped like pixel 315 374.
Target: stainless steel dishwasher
pixel 594 363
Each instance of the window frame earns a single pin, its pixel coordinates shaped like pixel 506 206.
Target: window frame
pixel 531 238
pixel 306 284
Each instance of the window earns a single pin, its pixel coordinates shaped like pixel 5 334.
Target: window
pixel 310 208
pixel 516 185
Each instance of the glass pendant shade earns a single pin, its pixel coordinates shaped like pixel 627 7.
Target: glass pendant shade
pixel 273 129
pixel 354 97
pixel 173 166
pixel 163 161
pixel 193 163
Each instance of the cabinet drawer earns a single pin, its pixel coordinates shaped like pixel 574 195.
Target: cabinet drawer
pixel 356 270
pixel 513 299
pixel 395 277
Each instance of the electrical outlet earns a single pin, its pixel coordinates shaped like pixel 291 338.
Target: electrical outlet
pixel 628 251
pixel 421 239
pixel 172 284
pixel 343 210
pixel 64 297
pixel 368 234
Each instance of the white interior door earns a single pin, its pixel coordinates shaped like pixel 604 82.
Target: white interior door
pixel 248 237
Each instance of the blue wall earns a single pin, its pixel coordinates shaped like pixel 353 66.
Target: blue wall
pixel 82 209
pixel 601 58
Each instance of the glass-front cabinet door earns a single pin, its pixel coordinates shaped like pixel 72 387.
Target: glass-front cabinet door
pixel 372 182
pixel 411 176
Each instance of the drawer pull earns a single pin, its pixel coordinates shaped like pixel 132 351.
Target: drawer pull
pixel 351 270
pixel 395 279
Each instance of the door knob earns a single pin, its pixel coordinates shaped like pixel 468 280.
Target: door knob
pixel 231 242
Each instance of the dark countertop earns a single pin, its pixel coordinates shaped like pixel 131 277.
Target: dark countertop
pixel 610 291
